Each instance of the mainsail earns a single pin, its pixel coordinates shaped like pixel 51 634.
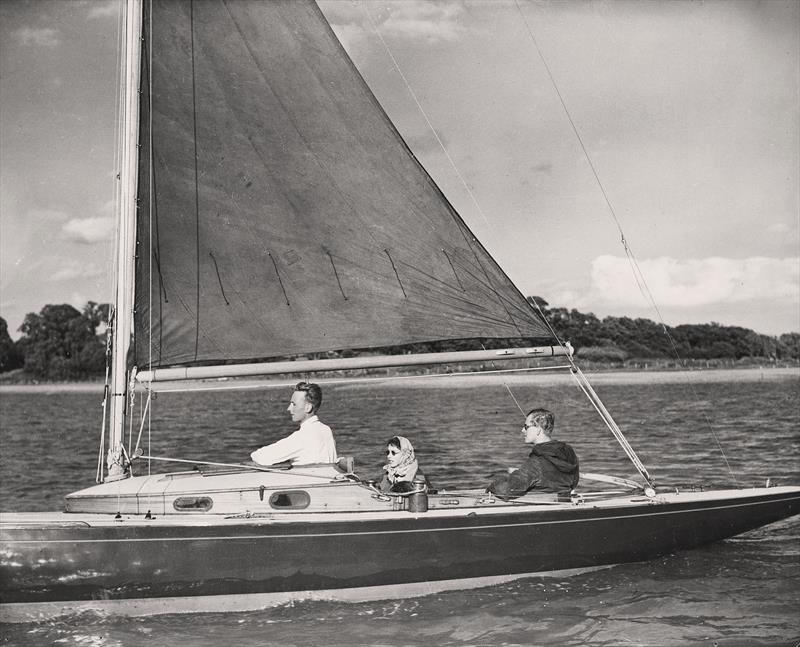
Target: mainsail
pixel 282 211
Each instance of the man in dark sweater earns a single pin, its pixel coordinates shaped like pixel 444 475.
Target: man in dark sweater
pixel 551 467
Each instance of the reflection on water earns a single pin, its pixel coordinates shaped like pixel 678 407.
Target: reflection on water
pixel 739 592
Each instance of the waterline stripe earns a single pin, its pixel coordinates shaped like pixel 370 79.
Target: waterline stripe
pixel 36 611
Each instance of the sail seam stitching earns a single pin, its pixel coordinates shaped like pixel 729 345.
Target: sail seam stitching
pixel 219 278
pixel 278 274
pixel 336 274
pixel 396 273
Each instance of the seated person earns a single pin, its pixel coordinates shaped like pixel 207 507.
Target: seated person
pixel 551 467
pixel 401 466
pixel 312 443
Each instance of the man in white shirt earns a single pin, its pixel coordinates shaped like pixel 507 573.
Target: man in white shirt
pixel 312 443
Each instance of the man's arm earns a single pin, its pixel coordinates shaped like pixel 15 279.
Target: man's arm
pixel 514 484
pixel 285 449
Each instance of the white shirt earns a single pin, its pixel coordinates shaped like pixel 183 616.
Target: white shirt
pixel 312 443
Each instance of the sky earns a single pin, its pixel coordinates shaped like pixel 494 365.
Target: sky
pixel 554 128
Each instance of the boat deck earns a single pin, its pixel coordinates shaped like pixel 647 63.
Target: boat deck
pixel 443 505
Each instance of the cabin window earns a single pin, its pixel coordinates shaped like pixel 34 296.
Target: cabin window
pixel 290 500
pixel 193 504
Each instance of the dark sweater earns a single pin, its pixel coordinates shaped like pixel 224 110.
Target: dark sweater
pixel 551 467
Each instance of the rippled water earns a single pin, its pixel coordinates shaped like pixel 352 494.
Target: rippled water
pixel 743 591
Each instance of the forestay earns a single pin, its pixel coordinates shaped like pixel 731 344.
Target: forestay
pixel 283 212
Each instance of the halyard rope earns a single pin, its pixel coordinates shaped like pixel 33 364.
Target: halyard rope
pixel 637 272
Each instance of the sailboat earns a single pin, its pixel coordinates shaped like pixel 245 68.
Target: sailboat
pixel 272 216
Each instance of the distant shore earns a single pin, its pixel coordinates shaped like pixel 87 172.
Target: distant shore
pixel 754 374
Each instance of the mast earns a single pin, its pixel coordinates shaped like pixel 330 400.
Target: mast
pixel 126 242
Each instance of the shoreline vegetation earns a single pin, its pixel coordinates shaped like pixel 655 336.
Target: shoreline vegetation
pixel 64 345
pixel 466 379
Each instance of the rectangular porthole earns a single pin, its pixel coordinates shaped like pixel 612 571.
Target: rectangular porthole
pixel 193 504
pixel 290 500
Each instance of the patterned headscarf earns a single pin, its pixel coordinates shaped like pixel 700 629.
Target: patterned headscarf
pixel 406 469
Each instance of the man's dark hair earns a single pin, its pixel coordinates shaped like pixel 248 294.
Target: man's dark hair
pixel 543 418
pixel 313 394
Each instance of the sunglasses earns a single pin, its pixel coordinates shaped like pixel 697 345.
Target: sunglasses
pixel 392 451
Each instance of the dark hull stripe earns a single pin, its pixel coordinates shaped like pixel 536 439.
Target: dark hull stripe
pixel 389 551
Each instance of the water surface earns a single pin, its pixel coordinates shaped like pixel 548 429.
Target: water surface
pixel 743 591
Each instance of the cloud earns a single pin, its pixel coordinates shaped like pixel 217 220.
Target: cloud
pixel 72 270
pixel 89 230
pixel 423 21
pixel 695 282
pixel 411 21
pixel 104 10
pixel 43 37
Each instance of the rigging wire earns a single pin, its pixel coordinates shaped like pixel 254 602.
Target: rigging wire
pixel 508 388
pixel 598 405
pixel 446 154
pixel 145 418
pixel 425 115
pixel 638 275
pixel 101 453
pixel 609 421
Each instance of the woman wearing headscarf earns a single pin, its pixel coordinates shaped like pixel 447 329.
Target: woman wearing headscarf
pixel 401 466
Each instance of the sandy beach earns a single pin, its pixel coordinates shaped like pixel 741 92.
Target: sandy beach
pixel 456 380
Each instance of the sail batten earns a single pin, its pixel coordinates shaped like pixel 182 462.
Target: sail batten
pixel 282 211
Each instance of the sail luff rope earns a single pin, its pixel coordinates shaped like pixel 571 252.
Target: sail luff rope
pixel 641 282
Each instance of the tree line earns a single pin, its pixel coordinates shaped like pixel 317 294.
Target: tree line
pixel 59 343
pixel 63 343
pixel 623 338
